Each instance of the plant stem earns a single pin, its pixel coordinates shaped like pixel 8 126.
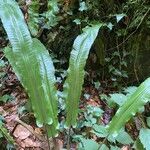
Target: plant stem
pixel 48 142
pixel 56 145
pixel 68 139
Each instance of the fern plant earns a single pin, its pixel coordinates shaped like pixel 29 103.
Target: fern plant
pixel 34 67
pixel 75 78
pixel 131 106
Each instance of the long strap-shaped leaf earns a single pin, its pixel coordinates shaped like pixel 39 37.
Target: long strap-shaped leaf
pixel 14 24
pixel 75 78
pixel 32 64
pixel 130 107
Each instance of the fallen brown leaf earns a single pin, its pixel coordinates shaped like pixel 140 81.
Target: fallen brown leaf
pixel 29 143
pixel 21 132
pixel 125 148
pixel 92 102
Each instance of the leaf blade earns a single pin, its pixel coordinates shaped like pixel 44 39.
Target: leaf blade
pixel 75 79
pixel 130 107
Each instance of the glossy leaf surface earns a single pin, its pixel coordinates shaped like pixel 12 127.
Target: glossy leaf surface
pixel 131 106
pixel 32 64
pixel 75 77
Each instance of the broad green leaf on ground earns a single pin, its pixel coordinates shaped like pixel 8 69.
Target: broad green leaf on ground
pixel 99 130
pixel 94 110
pixel 138 145
pixel 144 137
pixel 118 98
pixel 89 144
pixel 124 138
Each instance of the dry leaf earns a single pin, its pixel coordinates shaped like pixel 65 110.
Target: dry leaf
pixel 21 132
pixel 30 143
pixel 125 148
pixel 10 122
pixel 92 102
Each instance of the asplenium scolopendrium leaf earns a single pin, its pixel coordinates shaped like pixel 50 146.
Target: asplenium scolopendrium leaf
pixel 32 64
pixel 75 76
pixel 131 106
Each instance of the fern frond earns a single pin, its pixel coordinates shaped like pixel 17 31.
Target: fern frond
pixel 32 64
pixel 75 77
pixel 134 103
pixel 14 24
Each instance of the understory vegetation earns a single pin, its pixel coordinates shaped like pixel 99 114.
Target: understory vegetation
pixel 74 74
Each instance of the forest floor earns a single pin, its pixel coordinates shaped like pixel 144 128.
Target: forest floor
pixel 16 113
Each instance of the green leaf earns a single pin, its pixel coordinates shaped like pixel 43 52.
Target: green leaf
pixel 114 148
pixel 21 110
pixel 118 98
pixel 119 17
pixel 1 135
pixel 145 138
pixel 130 90
pixel 110 25
pixel 4 132
pixel 97 85
pixel 89 144
pixel 6 98
pixel 100 130
pixel 94 110
pixel 132 105
pixel 32 65
pixel 39 82
pixel 14 24
pixel 104 147
pixel 148 121
pixel 77 21
pixel 83 6
pixel 2 63
pixel 50 14
pixel 138 145
pixel 33 14
pixel 111 139
pixel 75 76
pixel 124 138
